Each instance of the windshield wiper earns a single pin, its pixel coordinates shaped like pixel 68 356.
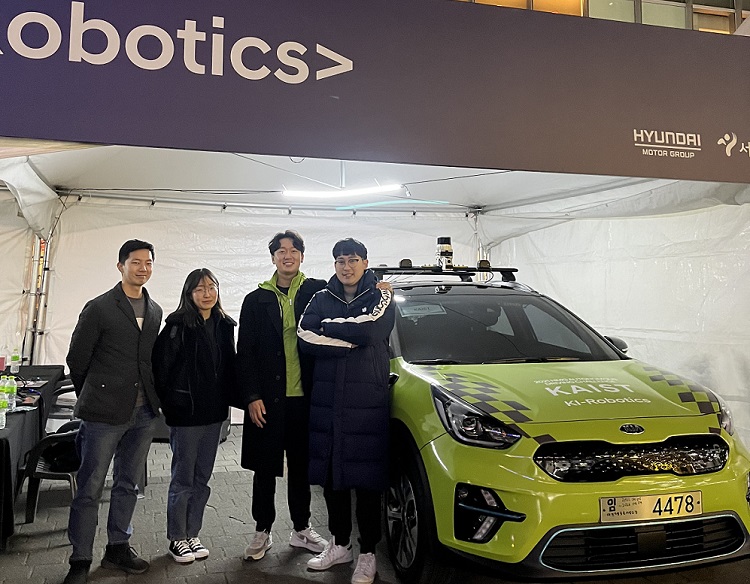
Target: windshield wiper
pixel 493 362
pixel 513 360
pixel 438 362
pixel 530 360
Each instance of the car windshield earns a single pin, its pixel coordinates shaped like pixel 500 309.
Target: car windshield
pixel 484 325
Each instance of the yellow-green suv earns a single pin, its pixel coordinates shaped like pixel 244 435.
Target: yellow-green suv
pixel 524 439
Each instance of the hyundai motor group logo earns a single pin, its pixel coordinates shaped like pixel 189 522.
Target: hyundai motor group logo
pixel 249 57
pixel 663 143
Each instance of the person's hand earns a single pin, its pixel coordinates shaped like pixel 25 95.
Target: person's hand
pixel 257 410
pixel 383 285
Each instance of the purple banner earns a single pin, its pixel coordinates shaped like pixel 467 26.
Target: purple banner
pixel 425 81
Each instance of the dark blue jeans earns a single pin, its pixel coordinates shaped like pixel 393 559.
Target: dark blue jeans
pixel 193 456
pixel 98 443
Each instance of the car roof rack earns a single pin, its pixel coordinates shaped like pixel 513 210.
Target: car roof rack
pixel 464 273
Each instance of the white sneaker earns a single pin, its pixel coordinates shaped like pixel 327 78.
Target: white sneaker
pixel 257 548
pixel 366 569
pixel 181 552
pixel 330 556
pixel 309 539
pixel 199 550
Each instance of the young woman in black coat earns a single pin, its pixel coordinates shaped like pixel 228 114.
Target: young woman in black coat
pixel 193 364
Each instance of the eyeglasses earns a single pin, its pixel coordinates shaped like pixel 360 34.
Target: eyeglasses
pixel 203 290
pixel 351 262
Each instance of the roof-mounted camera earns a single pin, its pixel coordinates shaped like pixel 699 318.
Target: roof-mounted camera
pixel 444 266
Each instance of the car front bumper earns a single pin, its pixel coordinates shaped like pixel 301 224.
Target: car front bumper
pixel 561 533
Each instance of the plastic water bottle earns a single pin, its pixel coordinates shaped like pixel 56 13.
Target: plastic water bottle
pixel 15 360
pixel 11 390
pixel 3 400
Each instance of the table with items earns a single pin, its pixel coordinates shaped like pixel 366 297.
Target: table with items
pixel 23 429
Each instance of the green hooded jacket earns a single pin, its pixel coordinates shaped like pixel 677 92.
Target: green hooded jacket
pixel 289 323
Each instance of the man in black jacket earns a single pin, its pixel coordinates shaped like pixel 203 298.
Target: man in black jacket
pixel 110 366
pixel 275 381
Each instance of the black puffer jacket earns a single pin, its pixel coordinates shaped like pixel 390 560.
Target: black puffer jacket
pixel 193 385
pixel 350 402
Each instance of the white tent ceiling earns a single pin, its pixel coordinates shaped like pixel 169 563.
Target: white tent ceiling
pixel 242 179
pixel 509 203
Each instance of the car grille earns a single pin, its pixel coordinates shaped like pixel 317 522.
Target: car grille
pixel 643 545
pixel 594 461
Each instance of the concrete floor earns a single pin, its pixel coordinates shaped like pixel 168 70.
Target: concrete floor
pixel 39 551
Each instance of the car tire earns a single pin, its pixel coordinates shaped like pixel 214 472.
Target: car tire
pixel 409 519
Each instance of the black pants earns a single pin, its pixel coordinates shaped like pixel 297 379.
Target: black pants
pixel 339 504
pixel 298 486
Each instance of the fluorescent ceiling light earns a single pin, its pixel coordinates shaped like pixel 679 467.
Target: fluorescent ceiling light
pixel 344 192
pixel 390 203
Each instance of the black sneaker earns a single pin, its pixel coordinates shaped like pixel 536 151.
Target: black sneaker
pixel 78 573
pixel 121 556
pixel 181 552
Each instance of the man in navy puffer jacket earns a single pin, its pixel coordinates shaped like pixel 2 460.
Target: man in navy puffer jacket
pixel 346 326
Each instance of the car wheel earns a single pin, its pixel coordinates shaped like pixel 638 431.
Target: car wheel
pixel 410 525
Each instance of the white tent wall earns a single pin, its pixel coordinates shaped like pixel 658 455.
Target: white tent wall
pixel 673 287
pixel 232 243
pixel 16 249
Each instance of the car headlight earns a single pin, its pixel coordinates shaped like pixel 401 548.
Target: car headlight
pixel 470 425
pixel 725 415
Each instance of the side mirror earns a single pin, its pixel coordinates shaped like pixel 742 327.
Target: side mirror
pixel 618 343
pixel 392 379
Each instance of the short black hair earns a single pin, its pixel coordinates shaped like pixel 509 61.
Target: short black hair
pixel 133 245
pixel 297 241
pixel 349 246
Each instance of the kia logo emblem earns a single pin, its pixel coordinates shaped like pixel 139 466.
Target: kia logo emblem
pixel 632 429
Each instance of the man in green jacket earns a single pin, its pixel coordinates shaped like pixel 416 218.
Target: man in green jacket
pixel 274 382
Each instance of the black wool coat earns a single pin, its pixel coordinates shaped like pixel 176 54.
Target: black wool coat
pixel 261 374
pixel 110 357
pixel 193 380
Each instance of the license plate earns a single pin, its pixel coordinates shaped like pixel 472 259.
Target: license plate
pixel 644 507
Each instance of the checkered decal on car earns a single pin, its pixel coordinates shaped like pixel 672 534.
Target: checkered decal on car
pixel 688 392
pixel 484 397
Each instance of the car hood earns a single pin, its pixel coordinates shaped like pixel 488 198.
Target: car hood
pixel 562 392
